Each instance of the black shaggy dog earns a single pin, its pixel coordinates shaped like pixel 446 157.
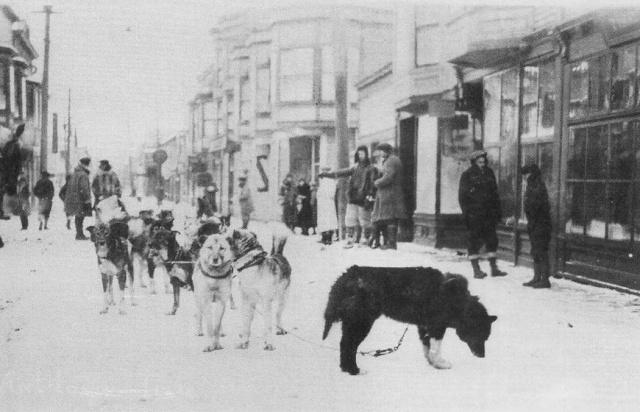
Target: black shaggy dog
pixel 421 296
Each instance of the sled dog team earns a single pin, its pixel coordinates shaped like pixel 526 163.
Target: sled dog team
pixel 211 255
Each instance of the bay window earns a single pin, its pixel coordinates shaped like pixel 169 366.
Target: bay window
pixel 296 75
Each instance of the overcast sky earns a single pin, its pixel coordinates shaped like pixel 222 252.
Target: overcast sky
pixel 132 66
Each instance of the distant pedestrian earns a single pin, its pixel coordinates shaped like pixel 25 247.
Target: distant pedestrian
pixel 77 199
pixel 287 199
pixel 480 204
pixel 305 213
pixel 245 201
pixel 327 214
pixel 44 191
pixel 24 201
pixel 105 183
pixel 537 210
pixel 207 202
pixel 360 187
pixel 389 205
pixel 314 206
pixel 61 194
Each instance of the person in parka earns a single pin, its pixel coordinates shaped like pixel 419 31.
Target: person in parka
pixel 480 204
pixel 77 199
pixel 105 183
pixel 44 191
pixel 287 197
pixel 360 186
pixel 389 206
pixel 537 210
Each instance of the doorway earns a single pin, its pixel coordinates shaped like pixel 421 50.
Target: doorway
pixel 407 153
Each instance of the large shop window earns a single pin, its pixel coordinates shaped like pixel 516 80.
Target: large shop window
pixel 603 84
pixel 602 181
pixel 296 75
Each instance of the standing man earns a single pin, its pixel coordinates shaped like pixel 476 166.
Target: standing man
pixel 480 204
pixel 389 205
pixel 43 190
pixel 105 183
pixel 77 200
pixel 245 201
pixel 360 186
pixel 10 167
pixel 537 210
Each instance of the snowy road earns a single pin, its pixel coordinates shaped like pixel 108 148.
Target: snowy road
pixel 570 348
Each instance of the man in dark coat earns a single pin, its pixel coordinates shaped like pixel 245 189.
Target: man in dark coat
pixel 43 190
pixel 480 204
pixel 389 205
pixel 537 210
pixel 77 199
pixel 360 187
pixel 105 182
pixel 287 199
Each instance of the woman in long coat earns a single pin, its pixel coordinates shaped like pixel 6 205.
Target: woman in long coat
pixel 537 210
pixel 287 199
pixel 389 205
pixel 327 214
pixel 305 214
pixel 43 190
pixel 24 201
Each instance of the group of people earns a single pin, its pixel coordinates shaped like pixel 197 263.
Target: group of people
pixel 374 204
pixel 207 206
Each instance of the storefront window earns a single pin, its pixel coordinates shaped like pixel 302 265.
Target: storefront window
pixel 492 86
pixel 509 103
pixel 599 84
pixel 547 99
pixel 623 78
pixel 529 113
pixel 579 92
pixel 599 181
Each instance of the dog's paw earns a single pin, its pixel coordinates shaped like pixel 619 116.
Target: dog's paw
pixel 243 345
pixel 281 331
pixel 212 348
pixel 351 370
pixel 172 311
pixel 439 363
pixel 269 347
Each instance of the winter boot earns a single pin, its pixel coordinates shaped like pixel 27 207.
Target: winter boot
pixel 543 281
pixel 79 230
pixel 358 234
pixel 46 223
pixel 391 234
pixel 495 272
pixel 349 243
pixel 367 236
pixel 40 225
pixel 1 243
pixel 536 275
pixel 477 272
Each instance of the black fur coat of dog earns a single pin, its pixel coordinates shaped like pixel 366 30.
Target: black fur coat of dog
pixel 425 297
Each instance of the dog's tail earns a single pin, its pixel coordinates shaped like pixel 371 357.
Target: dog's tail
pixel 332 312
pixel 279 239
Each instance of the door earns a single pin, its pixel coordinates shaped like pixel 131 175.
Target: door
pixel 407 153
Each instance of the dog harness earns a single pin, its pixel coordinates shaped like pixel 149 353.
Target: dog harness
pixel 251 258
pixel 227 272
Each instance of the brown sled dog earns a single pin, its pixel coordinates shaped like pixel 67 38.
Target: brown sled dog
pixel 421 296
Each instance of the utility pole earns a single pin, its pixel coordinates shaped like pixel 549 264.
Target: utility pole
pixel 47 10
pixel 67 158
pixel 341 123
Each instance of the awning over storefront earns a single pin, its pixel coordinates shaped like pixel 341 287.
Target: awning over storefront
pixel 490 53
pixel 437 105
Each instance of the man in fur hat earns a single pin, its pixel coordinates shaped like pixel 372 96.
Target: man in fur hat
pixel 105 183
pixel 480 204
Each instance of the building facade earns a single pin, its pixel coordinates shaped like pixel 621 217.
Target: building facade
pixel 270 110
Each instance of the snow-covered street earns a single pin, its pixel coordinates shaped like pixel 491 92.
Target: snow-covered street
pixel 570 348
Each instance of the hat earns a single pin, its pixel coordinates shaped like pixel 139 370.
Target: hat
pixel 242 177
pixel 385 147
pixel 211 188
pixel 44 173
pixel 530 168
pixel 85 161
pixel 104 162
pixel 477 154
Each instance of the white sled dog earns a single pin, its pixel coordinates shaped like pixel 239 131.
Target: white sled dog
pixel 264 280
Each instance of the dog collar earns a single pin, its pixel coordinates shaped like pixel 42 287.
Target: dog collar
pixel 226 274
